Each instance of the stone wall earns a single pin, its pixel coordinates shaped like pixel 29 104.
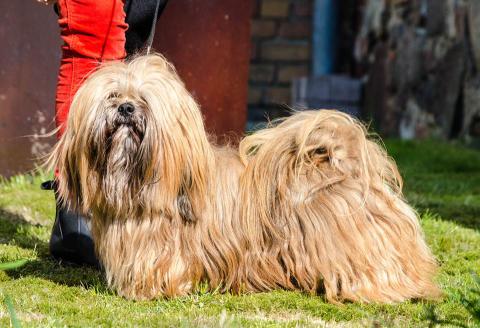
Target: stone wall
pixel 422 64
pixel 281 51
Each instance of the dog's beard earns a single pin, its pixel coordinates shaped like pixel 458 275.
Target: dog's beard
pixel 120 153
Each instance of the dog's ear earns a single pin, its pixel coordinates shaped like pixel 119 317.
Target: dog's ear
pixel 175 142
pixel 76 182
pixel 67 180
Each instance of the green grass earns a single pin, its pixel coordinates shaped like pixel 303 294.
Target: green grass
pixel 441 180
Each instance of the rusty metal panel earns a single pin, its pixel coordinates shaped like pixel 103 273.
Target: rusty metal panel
pixel 28 73
pixel 209 43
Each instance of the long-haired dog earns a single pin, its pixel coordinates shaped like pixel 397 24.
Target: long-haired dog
pixel 310 203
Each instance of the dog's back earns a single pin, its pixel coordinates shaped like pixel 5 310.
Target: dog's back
pixel 322 205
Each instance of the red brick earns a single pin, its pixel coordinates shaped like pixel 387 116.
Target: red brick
pixel 254 95
pixel 303 8
pixel 253 51
pixel 278 95
pixel 255 7
pixel 261 72
pixel 263 28
pixel 274 8
pixel 295 30
pixel 284 50
pixel 287 73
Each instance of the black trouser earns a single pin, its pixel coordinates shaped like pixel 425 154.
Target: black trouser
pixel 140 15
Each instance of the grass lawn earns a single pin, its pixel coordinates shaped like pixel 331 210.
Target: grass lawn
pixel 441 180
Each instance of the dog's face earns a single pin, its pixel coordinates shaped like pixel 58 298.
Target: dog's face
pixel 123 127
pixel 133 133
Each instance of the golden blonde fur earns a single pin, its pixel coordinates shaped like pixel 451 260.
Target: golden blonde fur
pixel 310 203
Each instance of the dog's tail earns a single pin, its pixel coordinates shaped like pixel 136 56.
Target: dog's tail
pixel 323 209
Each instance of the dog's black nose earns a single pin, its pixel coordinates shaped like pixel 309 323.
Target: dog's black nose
pixel 126 109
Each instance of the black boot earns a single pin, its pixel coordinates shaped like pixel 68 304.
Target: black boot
pixel 71 240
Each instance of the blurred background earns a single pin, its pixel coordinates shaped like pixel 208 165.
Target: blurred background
pixel 410 67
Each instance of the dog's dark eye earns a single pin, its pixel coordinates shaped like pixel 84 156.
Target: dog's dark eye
pixel 113 95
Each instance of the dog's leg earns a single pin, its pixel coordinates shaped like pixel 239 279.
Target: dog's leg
pixel 143 259
pixel 326 202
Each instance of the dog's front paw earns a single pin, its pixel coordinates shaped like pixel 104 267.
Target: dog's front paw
pixel 147 293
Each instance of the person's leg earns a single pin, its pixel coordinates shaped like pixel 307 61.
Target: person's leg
pixel 93 31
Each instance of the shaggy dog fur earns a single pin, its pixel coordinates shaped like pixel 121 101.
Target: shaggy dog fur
pixel 310 203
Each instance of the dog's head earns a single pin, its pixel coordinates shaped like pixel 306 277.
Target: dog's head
pixel 134 140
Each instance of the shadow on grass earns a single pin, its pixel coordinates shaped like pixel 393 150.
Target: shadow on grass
pixel 16 230
pixel 467 216
pixel 63 274
pixel 441 177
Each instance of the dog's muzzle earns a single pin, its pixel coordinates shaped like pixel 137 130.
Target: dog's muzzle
pixel 126 109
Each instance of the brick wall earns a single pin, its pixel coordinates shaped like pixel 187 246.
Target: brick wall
pixel 281 51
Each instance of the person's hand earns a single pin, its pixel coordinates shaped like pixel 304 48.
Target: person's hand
pixel 47 2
